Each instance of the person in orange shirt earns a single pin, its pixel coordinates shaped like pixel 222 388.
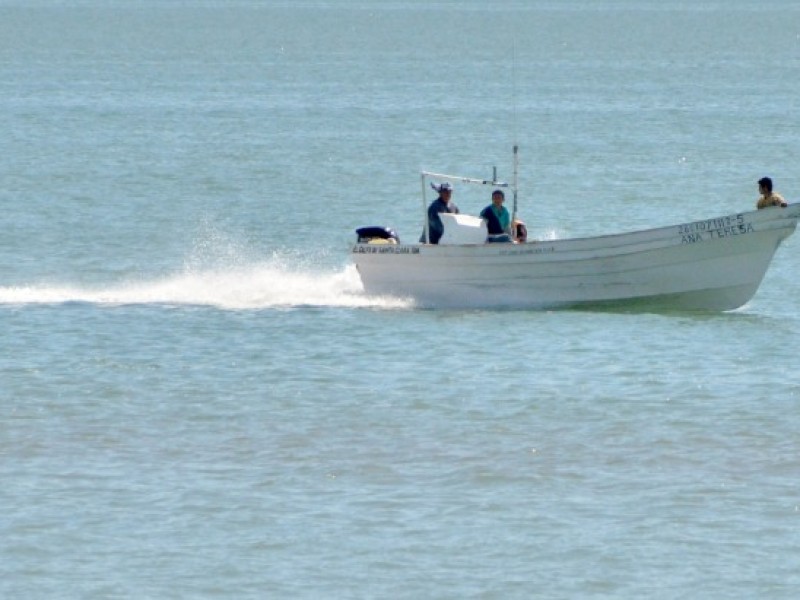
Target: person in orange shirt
pixel 768 197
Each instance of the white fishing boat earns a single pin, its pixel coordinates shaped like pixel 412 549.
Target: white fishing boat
pixel 714 264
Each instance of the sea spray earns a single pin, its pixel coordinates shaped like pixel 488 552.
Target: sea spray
pixel 272 284
pixel 223 269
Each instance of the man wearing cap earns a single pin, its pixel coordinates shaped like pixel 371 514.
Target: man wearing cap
pixel 442 204
pixel 768 197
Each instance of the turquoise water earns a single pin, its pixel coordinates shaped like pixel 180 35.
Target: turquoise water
pixel 198 400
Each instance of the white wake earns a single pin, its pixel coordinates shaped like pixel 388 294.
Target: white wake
pixel 258 286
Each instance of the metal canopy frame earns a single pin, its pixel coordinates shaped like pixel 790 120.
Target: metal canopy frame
pixel 470 180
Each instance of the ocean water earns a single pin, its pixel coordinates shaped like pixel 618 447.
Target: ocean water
pixel 198 399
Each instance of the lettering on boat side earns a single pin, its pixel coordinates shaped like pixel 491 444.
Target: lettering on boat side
pixel 714 229
pixel 385 249
pixel 535 250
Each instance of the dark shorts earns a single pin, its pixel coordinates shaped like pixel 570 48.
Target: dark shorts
pixel 503 238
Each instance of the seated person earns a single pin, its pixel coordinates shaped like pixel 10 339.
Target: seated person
pixel 498 221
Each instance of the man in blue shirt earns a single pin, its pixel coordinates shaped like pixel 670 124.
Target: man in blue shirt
pixel 442 204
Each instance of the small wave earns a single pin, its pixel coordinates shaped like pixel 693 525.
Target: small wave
pixel 244 287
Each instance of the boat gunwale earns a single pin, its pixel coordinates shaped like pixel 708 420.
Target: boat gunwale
pixel 766 219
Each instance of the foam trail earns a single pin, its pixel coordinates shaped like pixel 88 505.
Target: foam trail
pixel 248 287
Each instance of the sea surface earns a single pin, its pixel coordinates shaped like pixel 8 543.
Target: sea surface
pixel 198 400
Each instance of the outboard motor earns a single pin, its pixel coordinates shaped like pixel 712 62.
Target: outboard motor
pixel 377 235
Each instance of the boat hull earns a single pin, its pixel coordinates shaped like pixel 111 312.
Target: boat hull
pixel 714 264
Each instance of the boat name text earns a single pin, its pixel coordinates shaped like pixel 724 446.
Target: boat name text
pixel 714 229
pixel 516 251
pixel 385 249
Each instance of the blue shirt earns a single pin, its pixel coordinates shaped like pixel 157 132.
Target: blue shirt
pixel 435 225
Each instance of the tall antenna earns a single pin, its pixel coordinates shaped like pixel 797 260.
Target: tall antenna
pixel 515 182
